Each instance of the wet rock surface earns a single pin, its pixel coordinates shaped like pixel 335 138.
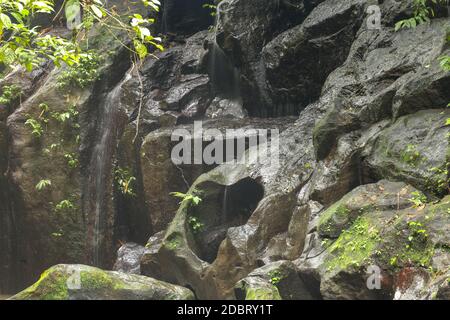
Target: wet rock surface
pixel 78 282
pixel 350 200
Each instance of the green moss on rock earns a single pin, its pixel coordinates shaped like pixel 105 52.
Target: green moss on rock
pixel 266 293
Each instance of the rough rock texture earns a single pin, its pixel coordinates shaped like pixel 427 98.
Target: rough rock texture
pixel 278 279
pixel 414 150
pixel 379 64
pixel 391 239
pixel 382 196
pixel 79 282
pixel 129 258
pixel 360 186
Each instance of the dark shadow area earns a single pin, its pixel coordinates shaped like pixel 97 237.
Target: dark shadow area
pixel 222 208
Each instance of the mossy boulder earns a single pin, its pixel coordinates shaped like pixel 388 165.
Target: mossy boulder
pixel 257 289
pixel 79 282
pixel 388 241
pixel 382 196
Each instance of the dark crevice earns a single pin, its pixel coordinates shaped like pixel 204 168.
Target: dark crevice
pixel 223 208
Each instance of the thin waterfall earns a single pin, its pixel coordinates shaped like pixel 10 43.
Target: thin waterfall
pixel 165 13
pixel 224 76
pixel 102 164
pixel 224 205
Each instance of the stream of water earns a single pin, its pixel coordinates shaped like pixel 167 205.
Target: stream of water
pixel 224 76
pixel 224 205
pixel 101 164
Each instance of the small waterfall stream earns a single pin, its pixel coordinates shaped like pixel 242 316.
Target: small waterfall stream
pixel 224 76
pixel 224 205
pixel 101 162
pixel 164 17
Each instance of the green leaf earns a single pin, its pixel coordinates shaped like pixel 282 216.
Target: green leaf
pixel 96 10
pixel 72 9
pixel 5 20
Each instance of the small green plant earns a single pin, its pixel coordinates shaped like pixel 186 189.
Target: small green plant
pixel 9 94
pixel 439 182
pixel 72 160
pixel 410 155
pixel 125 181
pixel 418 199
pixel 195 224
pixel 417 232
pixel 190 199
pixel 422 13
pixel 64 205
pixel 212 8
pixel 43 184
pixel 445 62
pixel 276 277
pixel 81 75
pixel 36 127
pixel 57 234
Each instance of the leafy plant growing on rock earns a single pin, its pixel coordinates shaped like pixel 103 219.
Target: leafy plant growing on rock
pixel 276 276
pixel 196 225
pixel 81 75
pixel 36 128
pixel 422 13
pixel 64 205
pixel 190 199
pixel 72 160
pixel 9 94
pixel 418 199
pixel 212 8
pixel 43 184
pixel 124 181
pixel 410 155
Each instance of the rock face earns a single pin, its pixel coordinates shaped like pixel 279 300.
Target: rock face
pixel 129 258
pixel 385 240
pixel 347 200
pixel 278 280
pixel 78 282
pixel 414 149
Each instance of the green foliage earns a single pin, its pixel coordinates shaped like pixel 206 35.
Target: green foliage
pixel 137 29
pixel 212 8
pixel 196 225
pixel 25 44
pixel 83 74
pixel 43 184
pixel 36 128
pixel 10 93
pixel 354 245
pixel 422 13
pixel 124 181
pixel 65 116
pixel 439 182
pixel 418 199
pixel 190 199
pixel 72 160
pixel 410 155
pixel 64 205
pixel 417 231
pixel 445 62
pixel 276 277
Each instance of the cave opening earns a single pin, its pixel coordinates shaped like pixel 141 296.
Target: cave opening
pixel 222 208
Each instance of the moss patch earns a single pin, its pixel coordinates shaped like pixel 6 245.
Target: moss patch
pixel 52 285
pixel 354 246
pixel 334 220
pixel 269 293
